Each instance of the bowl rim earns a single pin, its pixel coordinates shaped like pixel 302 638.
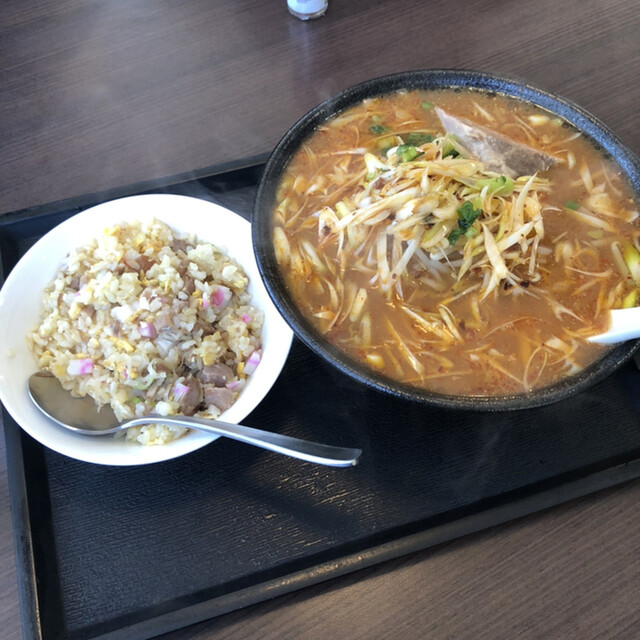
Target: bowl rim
pixel 262 224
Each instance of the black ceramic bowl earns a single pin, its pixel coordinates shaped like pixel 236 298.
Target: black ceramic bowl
pixel 428 79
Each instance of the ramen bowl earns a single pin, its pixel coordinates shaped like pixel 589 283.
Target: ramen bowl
pixel 557 109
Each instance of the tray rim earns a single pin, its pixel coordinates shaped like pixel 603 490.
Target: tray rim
pixel 582 482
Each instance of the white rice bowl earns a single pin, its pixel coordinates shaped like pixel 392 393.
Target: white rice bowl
pixel 21 306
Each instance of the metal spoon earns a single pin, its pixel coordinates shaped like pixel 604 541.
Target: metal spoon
pixel 82 416
pixel 497 152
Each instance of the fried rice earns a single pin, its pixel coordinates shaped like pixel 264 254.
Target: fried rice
pixel 150 322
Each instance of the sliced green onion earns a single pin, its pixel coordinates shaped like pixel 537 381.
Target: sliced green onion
pixel 467 215
pixel 499 186
pixel 417 138
pixel 454 235
pixel 377 129
pixel 407 152
pixel 449 150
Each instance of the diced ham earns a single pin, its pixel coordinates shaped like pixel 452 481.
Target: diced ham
pixel 191 400
pixel 189 284
pixel 145 263
pixel 179 245
pixel 220 397
pixel 136 261
pixel 216 374
pixel 206 328
pixel 160 367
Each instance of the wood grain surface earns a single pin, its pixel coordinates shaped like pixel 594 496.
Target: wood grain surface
pixel 96 94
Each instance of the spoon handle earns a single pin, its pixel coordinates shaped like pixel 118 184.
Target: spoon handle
pixel 303 449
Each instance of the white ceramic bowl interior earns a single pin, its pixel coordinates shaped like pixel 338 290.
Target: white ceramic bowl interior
pixel 20 304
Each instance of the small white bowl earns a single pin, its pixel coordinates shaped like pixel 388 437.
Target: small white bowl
pixel 20 305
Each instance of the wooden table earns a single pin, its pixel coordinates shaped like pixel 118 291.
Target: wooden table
pixel 99 94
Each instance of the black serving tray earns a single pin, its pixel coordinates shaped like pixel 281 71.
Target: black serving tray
pixel 134 552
